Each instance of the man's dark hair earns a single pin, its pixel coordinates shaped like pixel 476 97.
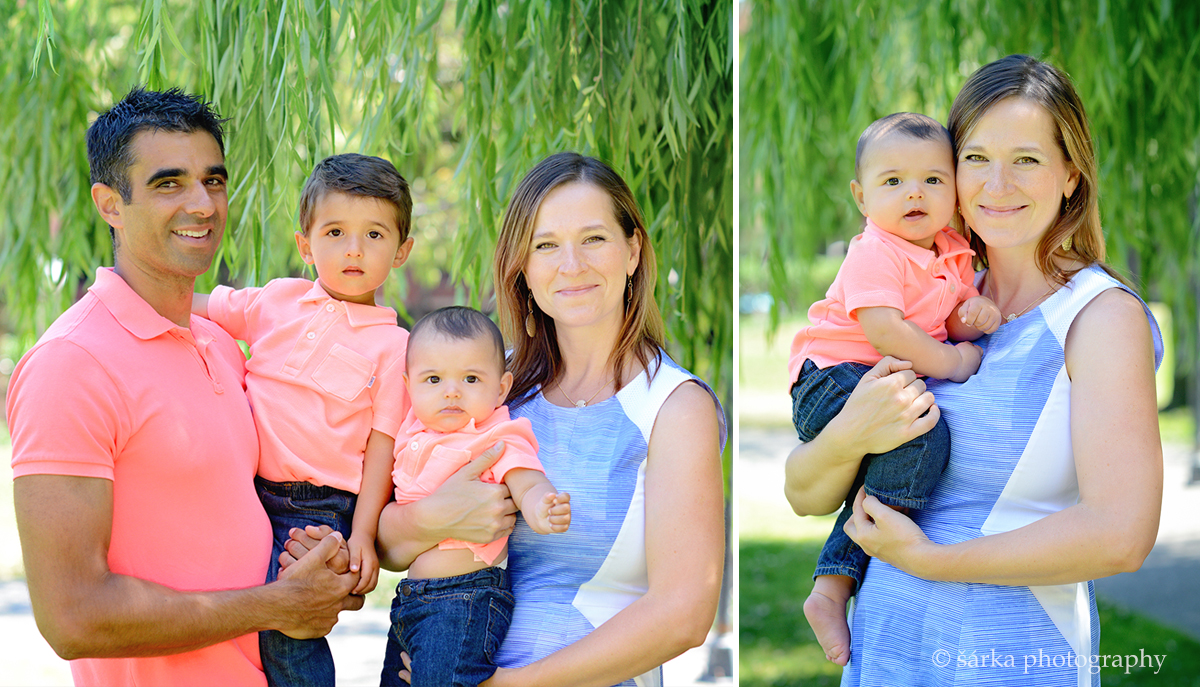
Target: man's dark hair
pixel 357 175
pixel 458 322
pixel 910 124
pixel 109 138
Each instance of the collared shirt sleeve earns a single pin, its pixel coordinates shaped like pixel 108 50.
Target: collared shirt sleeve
pixel 232 310
pixel 520 449
pixel 389 399
pixel 66 414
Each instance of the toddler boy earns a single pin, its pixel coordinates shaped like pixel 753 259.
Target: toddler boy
pixel 325 378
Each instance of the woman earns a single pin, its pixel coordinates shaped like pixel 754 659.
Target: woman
pixel 632 437
pixel 1055 472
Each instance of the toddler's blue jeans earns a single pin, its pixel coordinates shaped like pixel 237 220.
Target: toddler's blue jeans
pixel 286 661
pixel 451 628
pixel 904 476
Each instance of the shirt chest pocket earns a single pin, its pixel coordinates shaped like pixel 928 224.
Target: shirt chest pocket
pixel 443 461
pixel 344 373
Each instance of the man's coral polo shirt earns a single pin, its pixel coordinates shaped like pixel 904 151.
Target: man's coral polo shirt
pixel 115 391
pixel 883 270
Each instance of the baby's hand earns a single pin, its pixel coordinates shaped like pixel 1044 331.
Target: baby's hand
pixel 365 562
pixel 553 513
pixel 970 356
pixel 981 313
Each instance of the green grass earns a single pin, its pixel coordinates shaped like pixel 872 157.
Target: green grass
pixel 778 648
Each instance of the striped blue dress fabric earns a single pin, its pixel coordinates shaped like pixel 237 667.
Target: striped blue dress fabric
pixel 1010 464
pixel 567 584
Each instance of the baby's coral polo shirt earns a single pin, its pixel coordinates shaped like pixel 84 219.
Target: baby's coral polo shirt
pixel 884 270
pixel 425 458
pixel 115 391
pixel 322 374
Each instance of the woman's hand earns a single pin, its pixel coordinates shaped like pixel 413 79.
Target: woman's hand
pixel 888 534
pixel 885 410
pixel 889 407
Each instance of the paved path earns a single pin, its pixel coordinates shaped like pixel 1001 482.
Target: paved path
pixel 1165 588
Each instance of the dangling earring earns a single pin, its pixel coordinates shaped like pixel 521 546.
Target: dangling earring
pixel 1067 243
pixel 629 289
pixel 530 324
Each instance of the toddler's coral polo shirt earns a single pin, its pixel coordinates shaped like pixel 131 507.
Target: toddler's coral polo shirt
pixel 322 374
pixel 115 391
pixel 884 270
pixel 425 458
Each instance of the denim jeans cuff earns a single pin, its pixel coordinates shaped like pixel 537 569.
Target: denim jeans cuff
pixel 847 570
pixel 917 503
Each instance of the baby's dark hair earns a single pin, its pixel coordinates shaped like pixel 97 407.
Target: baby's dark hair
pixel 458 322
pixel 110 137
pixel 910 124
pixel 357 175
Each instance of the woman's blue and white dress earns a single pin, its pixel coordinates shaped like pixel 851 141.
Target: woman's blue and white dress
pixel 567 584
pixel 1010 464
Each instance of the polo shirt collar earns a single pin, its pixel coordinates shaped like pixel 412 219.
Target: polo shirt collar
pixel 129 309
pixel 949 243
pixel 357 314
pixel 498 415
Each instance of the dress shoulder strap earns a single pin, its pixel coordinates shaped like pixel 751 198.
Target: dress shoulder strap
pixel 644 396
pixel 1061 309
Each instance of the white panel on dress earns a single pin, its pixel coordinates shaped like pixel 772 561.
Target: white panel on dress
pixel 642 400
pixel 1044 480
pixel 622 578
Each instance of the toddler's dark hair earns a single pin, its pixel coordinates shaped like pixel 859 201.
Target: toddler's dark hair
pixel 357 175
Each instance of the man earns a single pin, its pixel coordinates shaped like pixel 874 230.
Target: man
pixel 134 450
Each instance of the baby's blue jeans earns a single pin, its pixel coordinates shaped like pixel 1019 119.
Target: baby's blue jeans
pixel 904 476
pixel 451 628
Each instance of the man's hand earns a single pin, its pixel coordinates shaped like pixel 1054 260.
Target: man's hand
pixel 314 593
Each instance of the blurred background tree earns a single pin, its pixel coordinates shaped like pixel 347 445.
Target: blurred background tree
pixel 463 97
pixel 814 73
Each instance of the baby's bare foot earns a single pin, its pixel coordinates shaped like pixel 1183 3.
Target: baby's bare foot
pixel 828 620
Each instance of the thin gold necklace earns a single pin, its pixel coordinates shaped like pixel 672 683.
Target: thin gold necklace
pixel 579 404
pixel 1012 316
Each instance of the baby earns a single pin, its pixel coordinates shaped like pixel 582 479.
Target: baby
pixel 906 285
pixel 453 610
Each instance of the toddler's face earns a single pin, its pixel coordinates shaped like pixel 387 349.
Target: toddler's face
pixel 907 187
pixel 354 242
pixel 452 381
